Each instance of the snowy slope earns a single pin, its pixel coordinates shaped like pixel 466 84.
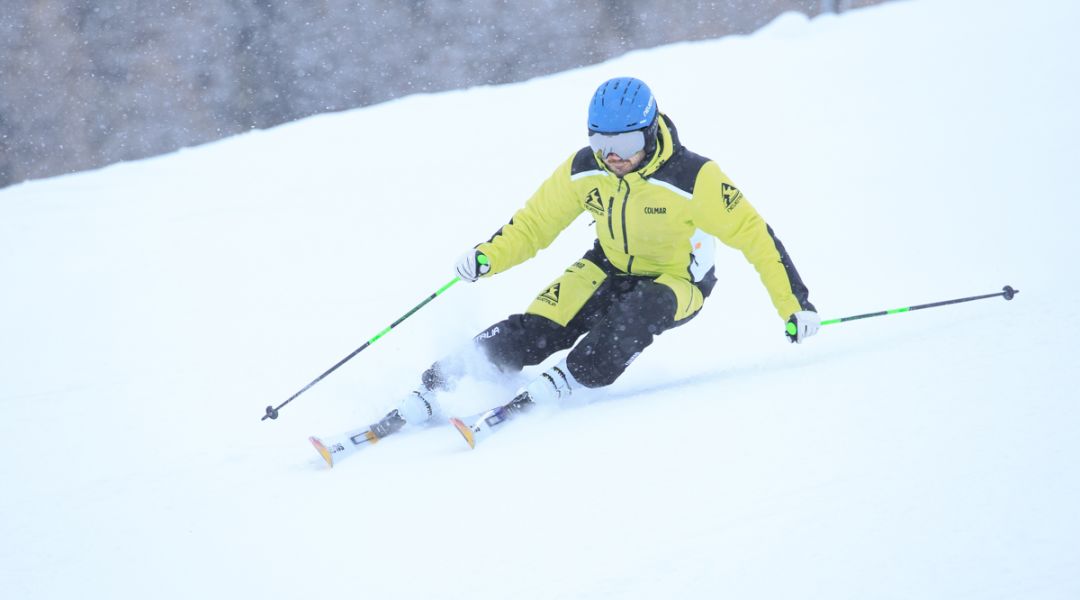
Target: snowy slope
pixel 907 153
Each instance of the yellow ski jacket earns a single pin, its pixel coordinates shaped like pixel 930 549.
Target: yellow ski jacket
pixel 661 219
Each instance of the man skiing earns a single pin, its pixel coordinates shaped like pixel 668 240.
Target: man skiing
pixel 659 209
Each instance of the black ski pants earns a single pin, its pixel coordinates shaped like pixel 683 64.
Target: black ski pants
pixel 620 320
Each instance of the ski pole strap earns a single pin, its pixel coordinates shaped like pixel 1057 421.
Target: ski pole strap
pixel 1007 292
pixel 272 411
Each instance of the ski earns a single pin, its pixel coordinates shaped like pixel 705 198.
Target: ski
pixel 466 431
pixel 480 426
pixel 335 449
pixel 473 428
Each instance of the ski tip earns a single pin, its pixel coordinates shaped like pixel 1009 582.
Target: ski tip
pixel 323 451
pixel 465 431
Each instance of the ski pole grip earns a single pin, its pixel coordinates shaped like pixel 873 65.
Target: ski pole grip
pixel 482 259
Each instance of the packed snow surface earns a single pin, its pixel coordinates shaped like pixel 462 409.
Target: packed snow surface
pixel 908 153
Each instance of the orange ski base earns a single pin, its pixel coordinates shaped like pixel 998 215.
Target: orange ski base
pixel 465 431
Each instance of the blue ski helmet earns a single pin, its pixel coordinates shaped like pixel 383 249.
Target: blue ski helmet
pixel 621 104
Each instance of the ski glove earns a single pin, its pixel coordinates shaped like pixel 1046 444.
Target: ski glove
pixel 471 265
pixel 802 325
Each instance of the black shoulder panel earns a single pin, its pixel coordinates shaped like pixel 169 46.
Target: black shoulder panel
pixel 583 161
pixel 681 170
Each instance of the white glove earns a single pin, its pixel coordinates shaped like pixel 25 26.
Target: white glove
pixel 804 324
pixel 471 265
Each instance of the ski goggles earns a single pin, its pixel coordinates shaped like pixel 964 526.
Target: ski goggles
pixel 624 145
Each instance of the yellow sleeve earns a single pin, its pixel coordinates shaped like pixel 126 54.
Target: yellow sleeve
pixel 550 210
pixel 721 210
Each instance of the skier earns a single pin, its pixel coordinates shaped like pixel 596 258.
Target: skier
pixel 658 209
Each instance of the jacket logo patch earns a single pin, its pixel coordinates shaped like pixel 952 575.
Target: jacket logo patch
pixel 660 210
pixel 550 296
pixel 732 195
pixel 594 202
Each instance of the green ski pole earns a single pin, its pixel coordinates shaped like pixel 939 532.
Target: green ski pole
pixel 272 411
pixel 1007 292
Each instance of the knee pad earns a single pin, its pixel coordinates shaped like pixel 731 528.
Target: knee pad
pixel 650 308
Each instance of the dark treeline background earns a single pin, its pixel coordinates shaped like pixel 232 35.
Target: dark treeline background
pixel 84 83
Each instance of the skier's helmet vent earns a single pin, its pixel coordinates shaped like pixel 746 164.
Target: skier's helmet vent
pixel 621 104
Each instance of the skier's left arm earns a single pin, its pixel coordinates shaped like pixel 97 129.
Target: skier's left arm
pixel 721 209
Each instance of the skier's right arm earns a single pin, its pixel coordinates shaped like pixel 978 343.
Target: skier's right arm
pixel 550 210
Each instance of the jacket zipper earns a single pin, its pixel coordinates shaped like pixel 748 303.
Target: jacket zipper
pixel 625 239
pixel 610 212
pixel 611 224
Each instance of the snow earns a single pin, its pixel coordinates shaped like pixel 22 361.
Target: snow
pixel 908 153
